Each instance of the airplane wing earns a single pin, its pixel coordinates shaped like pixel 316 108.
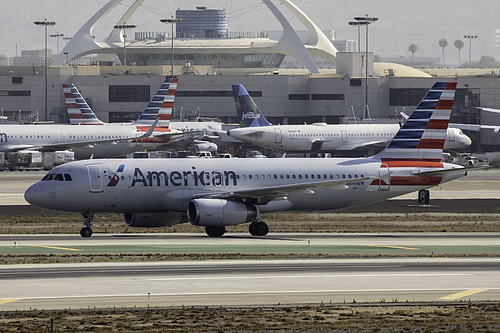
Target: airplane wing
pixel 474 127
pixel 263 195
pixel 363 145
pixel 85 144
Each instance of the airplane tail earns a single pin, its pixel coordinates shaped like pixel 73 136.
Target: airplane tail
pixel 422 136
pixel 249 114
pixel 79 112
pixel 160 106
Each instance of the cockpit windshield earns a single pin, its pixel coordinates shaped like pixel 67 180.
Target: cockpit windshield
pixel 58 177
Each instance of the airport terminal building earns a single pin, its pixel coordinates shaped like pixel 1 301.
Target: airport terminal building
pixel 208 65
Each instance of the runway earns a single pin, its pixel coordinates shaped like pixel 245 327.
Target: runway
pixel 253 282
pixel 250 282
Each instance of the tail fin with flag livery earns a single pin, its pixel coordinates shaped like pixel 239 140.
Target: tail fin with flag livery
pixel 423 134
pixel 160 106
pixel 79 112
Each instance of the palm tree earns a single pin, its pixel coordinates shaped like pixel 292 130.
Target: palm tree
pixel 459 44
pixel 443 43
pixel 413 48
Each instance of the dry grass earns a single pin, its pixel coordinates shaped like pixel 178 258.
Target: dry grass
pixel 466 317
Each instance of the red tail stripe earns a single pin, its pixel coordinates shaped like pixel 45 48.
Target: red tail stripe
pixel 441 124
pixel 431 143
pixel 68 95
pixel 75 116
pixel 72 106
pixel 444 104
pixel 451 86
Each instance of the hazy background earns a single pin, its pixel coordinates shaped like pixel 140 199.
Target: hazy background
pixel 401 23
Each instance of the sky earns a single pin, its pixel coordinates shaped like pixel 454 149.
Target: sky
pixel 401 23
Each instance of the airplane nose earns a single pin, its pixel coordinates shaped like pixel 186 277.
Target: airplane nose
pixel 33 195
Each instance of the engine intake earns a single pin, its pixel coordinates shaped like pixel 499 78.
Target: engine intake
pixel 152 220
pixel 220 212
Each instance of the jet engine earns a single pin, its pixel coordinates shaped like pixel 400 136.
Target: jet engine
pixel 151 220
pixel 219 212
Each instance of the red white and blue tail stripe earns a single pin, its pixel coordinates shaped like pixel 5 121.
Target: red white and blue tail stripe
pixel 423 134
pixel 79 112
pixel 160 106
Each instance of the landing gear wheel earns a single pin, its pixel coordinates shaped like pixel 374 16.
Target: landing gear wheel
pixel 215 231
pixel 86 232
pixel 258 228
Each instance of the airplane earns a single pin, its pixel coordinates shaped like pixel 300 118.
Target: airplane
pixel 255 129
pixel 216 193
pixel 96 141
pixel 196 133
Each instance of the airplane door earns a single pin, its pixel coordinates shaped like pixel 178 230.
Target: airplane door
pixel 95 178
pixel 62 137
pixel 343 133
pixel 384 180
pixel 277 135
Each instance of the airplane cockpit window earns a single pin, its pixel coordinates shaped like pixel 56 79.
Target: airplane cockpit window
pixel 48 176
pixel 59 177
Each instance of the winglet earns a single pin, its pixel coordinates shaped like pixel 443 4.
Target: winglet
pixel 151 129
pixel 249 114
pixel 79 112
pixel 423 134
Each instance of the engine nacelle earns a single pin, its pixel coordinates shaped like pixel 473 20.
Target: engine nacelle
pixel 219 212
pixel 152 220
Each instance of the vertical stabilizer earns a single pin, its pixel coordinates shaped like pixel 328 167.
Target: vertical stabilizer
pixel 249 114
pixel 79 112
pixel 423 134
pixel 160 106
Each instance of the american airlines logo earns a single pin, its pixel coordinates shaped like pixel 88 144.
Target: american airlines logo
pixel 115 178
pixel 250 115
pixel 3 137
pixel 184 178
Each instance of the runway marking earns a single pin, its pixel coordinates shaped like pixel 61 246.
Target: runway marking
pixel 5 301
pixel 396 247
pixel 55 247
pixel 463 294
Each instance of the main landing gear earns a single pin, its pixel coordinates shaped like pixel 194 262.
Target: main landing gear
pixel 256 228
pixel 87 231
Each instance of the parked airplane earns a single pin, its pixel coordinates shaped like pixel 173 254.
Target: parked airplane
pixel 99 141
pixel 80 113
pixel 216 193
pixel 255 129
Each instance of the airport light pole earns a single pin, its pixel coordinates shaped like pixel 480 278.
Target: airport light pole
pixel 358 24
pixel 368 20
pixel 172 21
pixel 124 28
pixel 57 35
pixel 45 24
pixel 470 38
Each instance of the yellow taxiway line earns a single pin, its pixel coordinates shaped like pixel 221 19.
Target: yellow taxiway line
pixel 463 294
pixel 55 247
pixel 5 301
pixel 396 247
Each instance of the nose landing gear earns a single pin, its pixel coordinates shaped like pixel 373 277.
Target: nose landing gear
pixel 87 231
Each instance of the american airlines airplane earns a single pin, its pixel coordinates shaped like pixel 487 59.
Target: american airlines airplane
pixel 216 193
pixel 80 113
pixel 255 129
pixel 99 141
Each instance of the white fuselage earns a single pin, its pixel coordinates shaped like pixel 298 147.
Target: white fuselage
pixel 324 137
pixel 168 185
pixel 42 137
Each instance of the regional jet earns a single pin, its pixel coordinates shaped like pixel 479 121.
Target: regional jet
pixel 255 129
pixel 216 193
pixel 99 141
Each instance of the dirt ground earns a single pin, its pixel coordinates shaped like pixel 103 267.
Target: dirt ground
pixel 462 317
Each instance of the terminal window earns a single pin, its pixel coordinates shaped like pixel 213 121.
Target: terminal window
pixel 122 93
pixel 406 96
